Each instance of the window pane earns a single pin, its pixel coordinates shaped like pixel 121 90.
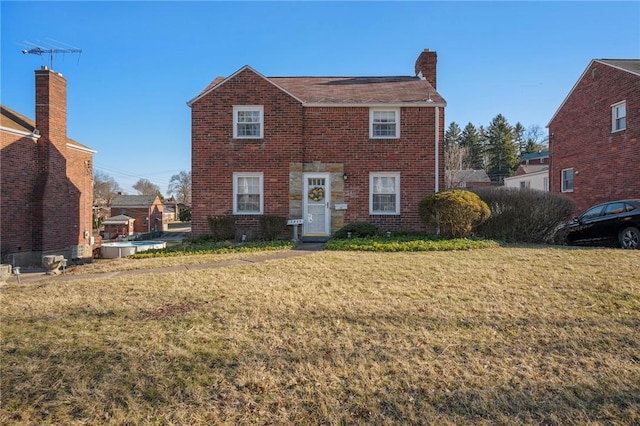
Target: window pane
pixel 567 180
pixel 248 129
pixel 384 185
pixel 384 202
pixel 248 203
pixel 384 129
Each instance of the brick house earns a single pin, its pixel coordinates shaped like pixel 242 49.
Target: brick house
pixel 46 180
pixel 328 150
pixel 470 178
pixel 146 210
pixel 594 137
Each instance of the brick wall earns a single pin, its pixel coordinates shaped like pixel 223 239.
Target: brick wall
pixel 18 157
pixel 581 138
pixel 47 187
pixel 331 139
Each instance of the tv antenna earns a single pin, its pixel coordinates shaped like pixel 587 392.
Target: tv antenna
pixel 50 50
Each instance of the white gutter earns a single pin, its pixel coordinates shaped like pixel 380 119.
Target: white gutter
pixel 19 132
pixel 81 148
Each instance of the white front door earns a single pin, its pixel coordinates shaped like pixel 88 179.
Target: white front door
pixel 316 212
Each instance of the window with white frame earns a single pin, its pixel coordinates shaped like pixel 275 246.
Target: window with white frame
pixel 567 180
pixel 248 122
pixel 384 193
pixel 248 193
pixel 619 116
pixel 384 123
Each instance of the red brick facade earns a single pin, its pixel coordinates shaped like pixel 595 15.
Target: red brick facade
pixel 301 138
pixel 47 180
pixel 605 162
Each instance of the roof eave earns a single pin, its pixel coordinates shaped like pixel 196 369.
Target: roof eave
pixel 246 67
pixel 375 104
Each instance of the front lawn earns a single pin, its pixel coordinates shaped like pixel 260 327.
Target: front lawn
pixel 503 335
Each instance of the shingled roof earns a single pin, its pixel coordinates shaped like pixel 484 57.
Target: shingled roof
pixel 13 120
pixel 133 201
pixel 347 90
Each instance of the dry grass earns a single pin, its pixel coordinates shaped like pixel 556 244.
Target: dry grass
pixel 499 336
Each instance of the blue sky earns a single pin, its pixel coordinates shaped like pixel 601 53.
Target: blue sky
pixel 142 61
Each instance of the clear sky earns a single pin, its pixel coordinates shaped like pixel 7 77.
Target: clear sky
pixel 142 61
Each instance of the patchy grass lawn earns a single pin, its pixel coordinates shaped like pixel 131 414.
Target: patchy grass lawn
pixel 512 335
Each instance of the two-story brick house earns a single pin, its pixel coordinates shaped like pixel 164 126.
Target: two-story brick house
pixel 594 137
pixel 147 212
pixel 328 150
pixel 46 180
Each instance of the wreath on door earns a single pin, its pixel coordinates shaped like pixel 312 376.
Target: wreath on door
pixel 316 193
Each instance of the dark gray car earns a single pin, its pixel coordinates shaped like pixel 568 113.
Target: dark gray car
pixel 614 223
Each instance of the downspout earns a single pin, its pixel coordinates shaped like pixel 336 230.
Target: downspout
pixel 437 149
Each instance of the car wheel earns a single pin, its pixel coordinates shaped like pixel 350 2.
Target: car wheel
pixel 630 238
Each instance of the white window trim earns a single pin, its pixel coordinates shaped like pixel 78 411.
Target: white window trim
pixel 236 109
pixel 373 175
pixel 397 112
pixel 562 188
pixel 614 108
pixel 237 175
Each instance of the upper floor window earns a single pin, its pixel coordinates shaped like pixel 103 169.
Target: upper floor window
pixel 384 123
pixel 619 116
pixel 248 122
pixel 567 180
pixel 248 190
pixel 384 193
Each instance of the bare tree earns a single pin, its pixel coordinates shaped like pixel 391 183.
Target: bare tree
pixel 456 159
pixel 145 187
pixel 180 186
pixel 105 189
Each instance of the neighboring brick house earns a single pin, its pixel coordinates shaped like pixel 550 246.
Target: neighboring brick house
pixel 594 137
pixel 470 178
pixel 328 150
pixel 146 210
pixel 46 180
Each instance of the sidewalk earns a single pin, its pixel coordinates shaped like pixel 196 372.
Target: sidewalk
pixel 31 275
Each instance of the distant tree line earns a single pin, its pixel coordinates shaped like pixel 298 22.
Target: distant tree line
pixel 495 149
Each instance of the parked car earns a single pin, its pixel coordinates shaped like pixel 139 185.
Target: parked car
pixel 614 223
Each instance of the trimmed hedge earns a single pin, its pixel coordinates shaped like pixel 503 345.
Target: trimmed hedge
pixel 524 215
pixel 222 227
pixel 357 230
pixel 455 211
pixel 271 227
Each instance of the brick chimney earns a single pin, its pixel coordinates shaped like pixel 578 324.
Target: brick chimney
pixel 51 107
pixel 426 66
pixel 54 213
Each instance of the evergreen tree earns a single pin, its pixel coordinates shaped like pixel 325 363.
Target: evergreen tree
pixel 452 135
pixel 503 158
pixel 519 138
pixel 472 141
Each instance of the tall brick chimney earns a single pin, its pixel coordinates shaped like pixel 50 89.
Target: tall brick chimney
pixel 51 107
pixel 426 66
pixel 51 199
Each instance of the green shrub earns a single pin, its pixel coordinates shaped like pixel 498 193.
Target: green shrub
pixel 456 212
pixel 524 215
pixel 408 244
pixel 185 214
pixel 271 227
pixel 222 227
pixel 357 230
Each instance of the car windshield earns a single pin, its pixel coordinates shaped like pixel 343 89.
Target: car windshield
pixel 592 212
